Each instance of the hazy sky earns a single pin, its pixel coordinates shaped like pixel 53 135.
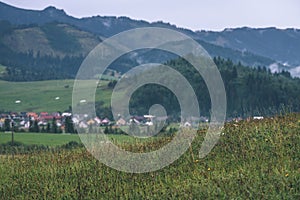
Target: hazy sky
pixel 193 14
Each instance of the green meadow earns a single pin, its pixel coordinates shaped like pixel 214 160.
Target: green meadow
pixel 43 96
pixel 51 139
pixel 46 139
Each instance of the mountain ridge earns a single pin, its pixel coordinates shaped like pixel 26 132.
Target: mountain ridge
pixel 59 40
pixel 244 40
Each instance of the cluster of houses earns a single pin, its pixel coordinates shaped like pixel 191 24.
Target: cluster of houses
pixel 24 120
pixel 86 121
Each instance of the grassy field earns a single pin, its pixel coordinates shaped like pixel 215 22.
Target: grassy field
pixel 41 96
pixel 46 139
pixel 252 160
pixel 50 139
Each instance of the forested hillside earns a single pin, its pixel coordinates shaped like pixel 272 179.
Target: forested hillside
pixel 250 91
pixel 56 50
pixel 43 52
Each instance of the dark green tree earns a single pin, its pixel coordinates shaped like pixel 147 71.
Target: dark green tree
pixel 35 127
pixel 43 130
pixel 110 129
pixel 7 126
pixel 69 125
pixel 54 128
pixel 106 131
pixel 48 128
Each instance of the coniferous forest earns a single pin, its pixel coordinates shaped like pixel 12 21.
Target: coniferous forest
pixel 250 91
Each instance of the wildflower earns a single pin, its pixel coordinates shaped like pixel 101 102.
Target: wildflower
pixel 208 169
pixel 195 161
pixel 286 175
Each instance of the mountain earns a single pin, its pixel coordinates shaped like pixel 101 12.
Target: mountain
pixel 22 16
pixel 54 46
pixel 277 44
pixel 274 48
pixel 105 26
pixel 52 39
pixel 41 52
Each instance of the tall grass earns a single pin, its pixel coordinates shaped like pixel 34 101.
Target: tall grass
pixel 253 160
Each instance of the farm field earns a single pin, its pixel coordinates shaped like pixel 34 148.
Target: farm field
pixel 41 96
pixel 258 159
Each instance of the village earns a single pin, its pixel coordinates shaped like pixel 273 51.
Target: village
pixel 65 122
pixel 34 122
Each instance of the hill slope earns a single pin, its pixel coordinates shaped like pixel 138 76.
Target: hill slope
pixel 52 39
pixel 41 96
pixel 43 52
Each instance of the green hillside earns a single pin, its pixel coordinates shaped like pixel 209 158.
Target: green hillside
pixel 41 96
pixel 249 92
pixel 46 52
pixel 52 39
